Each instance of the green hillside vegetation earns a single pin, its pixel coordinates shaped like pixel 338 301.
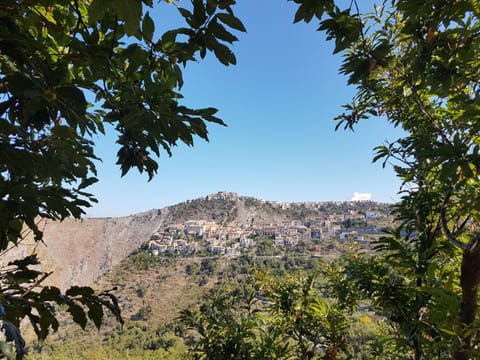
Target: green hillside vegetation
pixel 227 208
pixel 153 291
pixel 287 306
pixel 220 211
pixel 272 301
pixel 165 299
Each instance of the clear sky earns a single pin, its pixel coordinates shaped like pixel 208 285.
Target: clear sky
pixel 280 143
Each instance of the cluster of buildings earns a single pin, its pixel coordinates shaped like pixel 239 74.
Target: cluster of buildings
pixel 200 235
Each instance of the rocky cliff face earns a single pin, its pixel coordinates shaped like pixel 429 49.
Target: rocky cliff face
pixel 79 251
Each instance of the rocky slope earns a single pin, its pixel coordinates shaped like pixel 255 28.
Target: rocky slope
pixel 79 251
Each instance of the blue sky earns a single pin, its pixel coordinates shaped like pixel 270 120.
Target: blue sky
pixel 280 143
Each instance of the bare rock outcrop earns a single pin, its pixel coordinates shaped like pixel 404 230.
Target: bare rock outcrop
pixel 77 252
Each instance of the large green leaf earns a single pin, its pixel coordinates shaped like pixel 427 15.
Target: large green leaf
pixel 148 27
pixel 232 21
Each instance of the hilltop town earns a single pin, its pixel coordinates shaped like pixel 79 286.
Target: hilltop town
pixel 318 228
pixel 221 224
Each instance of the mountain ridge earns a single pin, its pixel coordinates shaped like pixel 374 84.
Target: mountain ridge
pixel 79 251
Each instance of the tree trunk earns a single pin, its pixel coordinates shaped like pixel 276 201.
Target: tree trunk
pixel 469 281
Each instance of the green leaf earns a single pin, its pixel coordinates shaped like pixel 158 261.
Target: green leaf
pixel 112 305
pixel 187 15
pixel 51 293
pixel 211 6
pixel 80 291
pixel 54 77
pixel 310 8
pixel 14 230
pixel 148 27
pixel 220 32
pixel 231 21
pixel 303 13
pixel 64 131
pixel 73 103
pixel 78 314
pixel 25 262
pixel 381 152
pixel 95 313
pixel 129 11
pixel 199 14
pixel 224 54
pixel 4 105
pixel 97 10
pixel 21 85
pixel 225 4
pixel 46 321
pixel 12 333
pixel 87 182
pixel 344 28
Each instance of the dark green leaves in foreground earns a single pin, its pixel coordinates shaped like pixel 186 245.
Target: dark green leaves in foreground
pixel 268 318
pixel 22 296
pixel 342 27
pixel 312 8
pixel 68 68
pixel 415 64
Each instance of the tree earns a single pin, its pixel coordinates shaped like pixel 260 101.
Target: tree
pixel 415 64
pixel 268 318
pixel 68 68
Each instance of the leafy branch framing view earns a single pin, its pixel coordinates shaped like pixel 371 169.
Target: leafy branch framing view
pixel 413 64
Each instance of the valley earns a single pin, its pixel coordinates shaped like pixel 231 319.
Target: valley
pixel 164 261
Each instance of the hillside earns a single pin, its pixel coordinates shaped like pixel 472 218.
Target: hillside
pixel 154 286
pixel 78 252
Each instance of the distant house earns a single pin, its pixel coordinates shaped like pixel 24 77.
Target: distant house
pixel 212 242
pixel 348 235
pixel 190 248
pixel 156 236
pixel 194 227
pixel 233 252
pixel 158 248
pixel 291 241
pixel 372 215
pixel 174 230
pixel 247 242
pixel 210 228
pixel 278 242
pixel 158 244
pixel 270 230
pixel 334 229
pixel 298 230
pixel 316 234
pixel 219 250
pixel 179 243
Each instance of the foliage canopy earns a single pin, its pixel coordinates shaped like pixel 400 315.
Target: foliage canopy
pixel 68 68
pixel 415 64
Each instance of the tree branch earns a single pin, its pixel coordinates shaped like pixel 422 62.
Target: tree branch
pixel 445 228
pixel 38 282
pixel 424 111
pixel 463 224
